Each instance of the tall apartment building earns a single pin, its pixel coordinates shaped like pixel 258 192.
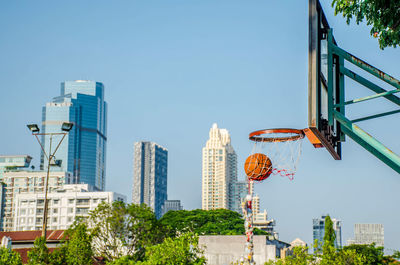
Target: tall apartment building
pixel 17 182
pixel 65 204
pixel 83 151
pixel 219 171
pixel 368 234
pixel 150 175
pixel 319 230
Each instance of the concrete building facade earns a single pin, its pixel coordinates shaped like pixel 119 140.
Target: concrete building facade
pixel 66 203
pixel 221 250
pixel 150 175
pixel 219 171
pixel 17 182
pixel 368 234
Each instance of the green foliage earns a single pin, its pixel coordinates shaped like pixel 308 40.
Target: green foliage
pixel 329 234
pixel 78 247
pixel 382 15
pixel 58 256
pixel 39 255
pixel 340 257
pixel 173 251
pixel 300 257
pixel 118 230
pixel 331 256
pixel 9 257
pixel 202 222
pixel 181 250
pixel 373 254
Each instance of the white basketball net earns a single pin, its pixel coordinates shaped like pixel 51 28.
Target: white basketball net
pixel 284 155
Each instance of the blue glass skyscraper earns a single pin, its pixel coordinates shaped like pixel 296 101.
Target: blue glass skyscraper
pixel 83 151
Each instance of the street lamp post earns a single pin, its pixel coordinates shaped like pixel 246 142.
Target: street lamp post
pixel 34 128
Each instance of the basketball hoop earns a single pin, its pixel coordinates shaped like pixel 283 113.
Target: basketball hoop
pixel 282 146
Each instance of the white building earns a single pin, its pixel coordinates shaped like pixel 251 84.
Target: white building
pixel 368 234
pixel 65 204
pixel 17 182
pixel 219 171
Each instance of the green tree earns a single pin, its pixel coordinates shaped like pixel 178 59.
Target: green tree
pixel 39 255
pixel 202 222
pixel 78 247
pixel 300 256
pixel 329 233
pixel 372 254
pixel 331 256
pixel 9 257
pixel 383 15
pixel 119 230
pixel 182 250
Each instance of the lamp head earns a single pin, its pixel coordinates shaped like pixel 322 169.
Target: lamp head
pixel 34 128
pixel 67 126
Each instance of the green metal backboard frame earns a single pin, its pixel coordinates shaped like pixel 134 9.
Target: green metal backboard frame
pixel 327 119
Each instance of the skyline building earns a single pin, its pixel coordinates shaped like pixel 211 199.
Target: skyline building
pixel 219 171
pixel 171 205
pixel 150 175
pixel 319 230
pixel 83 151
pixel 365 234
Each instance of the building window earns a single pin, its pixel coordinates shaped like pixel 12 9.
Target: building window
pixel 70 210
pixel 71 201
pixel 82 210
pixel 82 201
pixel 55 210
pixel 55 219
pixel 55 202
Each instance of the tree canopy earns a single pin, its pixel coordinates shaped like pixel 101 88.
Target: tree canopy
pixel 383 15
pixel 205 222
pixel 123 229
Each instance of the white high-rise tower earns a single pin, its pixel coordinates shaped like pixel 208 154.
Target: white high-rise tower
pixel 219 173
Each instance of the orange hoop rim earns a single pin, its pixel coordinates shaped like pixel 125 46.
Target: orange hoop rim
pixel 255 136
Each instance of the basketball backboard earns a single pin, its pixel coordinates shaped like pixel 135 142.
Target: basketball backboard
pixel 323 130
pixel 327 121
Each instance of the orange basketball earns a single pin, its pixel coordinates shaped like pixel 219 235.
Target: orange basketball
pixel 258 167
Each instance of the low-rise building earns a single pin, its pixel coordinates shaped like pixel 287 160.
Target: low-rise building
pixel 66 203
pixel 220 250
pixel 15 182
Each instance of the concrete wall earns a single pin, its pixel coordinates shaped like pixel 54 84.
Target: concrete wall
pixel 223 250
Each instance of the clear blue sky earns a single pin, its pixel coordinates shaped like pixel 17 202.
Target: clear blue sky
pixel 172 68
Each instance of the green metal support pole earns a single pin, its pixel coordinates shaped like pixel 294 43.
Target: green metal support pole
pixel 368 142
pixel 330 77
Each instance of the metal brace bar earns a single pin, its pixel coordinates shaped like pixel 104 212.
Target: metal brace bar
pixel 368 98
pixel 376 116
pixel 367 67
pixel 369 143
pixel 369 84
